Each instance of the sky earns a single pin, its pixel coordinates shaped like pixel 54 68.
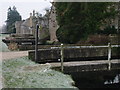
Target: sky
pixel 24 7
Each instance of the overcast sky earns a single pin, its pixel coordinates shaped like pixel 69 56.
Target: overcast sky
pixel 24 7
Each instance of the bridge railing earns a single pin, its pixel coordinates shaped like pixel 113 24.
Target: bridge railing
pixel 67 46
pixel 109 46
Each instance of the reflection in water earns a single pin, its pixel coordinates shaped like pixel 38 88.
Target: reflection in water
pixel 96 79
pixel 116 80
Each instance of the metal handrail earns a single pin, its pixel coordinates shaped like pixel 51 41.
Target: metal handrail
pixel 85 46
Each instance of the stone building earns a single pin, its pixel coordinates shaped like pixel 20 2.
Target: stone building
pixel 48 25
pixel 28 26
pixel 25 26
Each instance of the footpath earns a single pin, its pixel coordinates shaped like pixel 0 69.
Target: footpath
pixel 8 56
pixel 11 55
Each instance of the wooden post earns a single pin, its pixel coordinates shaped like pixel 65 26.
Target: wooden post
pixel 62 58
pixel 109 56
pixel 36 43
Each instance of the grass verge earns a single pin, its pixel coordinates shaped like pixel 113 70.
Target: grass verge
pixel 17 75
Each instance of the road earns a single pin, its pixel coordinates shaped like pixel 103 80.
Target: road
pixel 15 54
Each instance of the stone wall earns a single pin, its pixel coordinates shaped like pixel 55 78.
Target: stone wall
pixel 114 39
pixel 100 40
pixel 46 55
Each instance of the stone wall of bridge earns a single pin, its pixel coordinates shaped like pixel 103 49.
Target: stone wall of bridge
pixel 73 54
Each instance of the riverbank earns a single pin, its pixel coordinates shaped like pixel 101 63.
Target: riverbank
pixel 12 55
pixel 17 71
pixel 22 73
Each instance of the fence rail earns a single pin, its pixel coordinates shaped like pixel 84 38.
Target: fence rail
pixel 64 47
pixel 67 46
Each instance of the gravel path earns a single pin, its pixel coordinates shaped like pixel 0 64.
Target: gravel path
pixel 11 55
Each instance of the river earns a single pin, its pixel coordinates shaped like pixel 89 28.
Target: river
pixel 96 79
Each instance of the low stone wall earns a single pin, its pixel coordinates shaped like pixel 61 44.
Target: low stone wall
pixel 102 40
pixel 92 40
pixel 32 47
pixel 72 54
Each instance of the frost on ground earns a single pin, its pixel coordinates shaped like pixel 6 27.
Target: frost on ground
pixel 3 46
pixel 0 74
pixel 23 73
